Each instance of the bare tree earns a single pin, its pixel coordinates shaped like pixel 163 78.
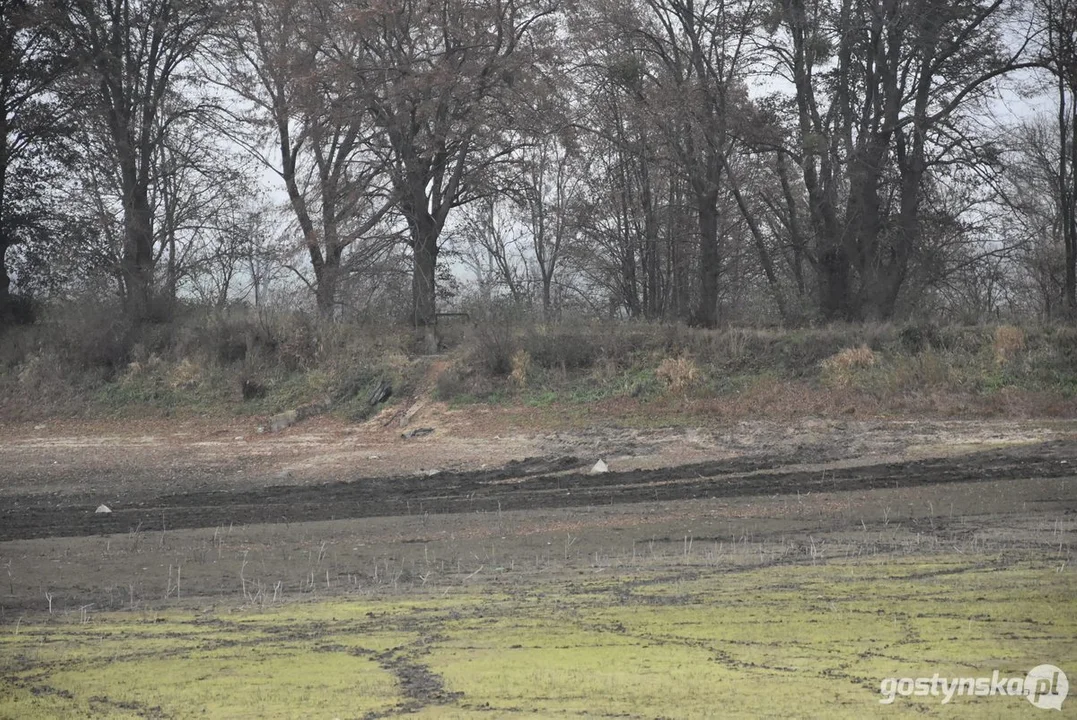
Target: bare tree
pixel 1059 56
pixel 884 93
pixel 31 125
pixel 282 57
pixel 553 189
pixel 491 241
pixel 132 54
pixel 444 83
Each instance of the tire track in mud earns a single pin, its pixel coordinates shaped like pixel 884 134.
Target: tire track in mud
pixel 419 685
pixel 531 484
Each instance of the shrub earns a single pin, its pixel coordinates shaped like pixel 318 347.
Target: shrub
pixel 450 383
pixel 1065 341
pixel 23 309
pixel 965 340
pixel 923 370
pixel 918 338
pixel 92 337
pixel 297 343
pixel 802 350
pixel 564 348
pixel 230 342
pixel 40 371
pixel 17 345
pixel 494 348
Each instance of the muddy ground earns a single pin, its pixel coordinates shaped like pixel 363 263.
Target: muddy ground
pixel 167 477
pixel 220 512
pixel 530 484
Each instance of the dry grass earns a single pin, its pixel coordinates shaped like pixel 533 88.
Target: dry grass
pixel 81 360
pixel 185 375
pixel 678 373
pixel 521 367
pixel 840 369
pixel 1009 341
pixel 921 371
pixel 850 358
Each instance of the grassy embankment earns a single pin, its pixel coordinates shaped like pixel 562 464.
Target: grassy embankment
pixel 86 363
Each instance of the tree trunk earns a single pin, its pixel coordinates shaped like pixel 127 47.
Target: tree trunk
pixel 863 222
pixel 833 281
pixel 327 268
pixel 5 236
pixel 629 290
pixel 796 234
pixel 424 246
pixel 547 298
pixel 678 276
pixel 651 298
pixel 760 245
pixel 5 286
pixel 327 278
pixel 706 314
pixel 1069 213
pixel 137 262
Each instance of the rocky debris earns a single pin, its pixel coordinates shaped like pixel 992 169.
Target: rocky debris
pixel 411 413
pixel 283 420
pixel 381 393
pixel 416 432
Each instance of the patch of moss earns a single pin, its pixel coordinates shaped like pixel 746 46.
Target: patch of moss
pixel 782 641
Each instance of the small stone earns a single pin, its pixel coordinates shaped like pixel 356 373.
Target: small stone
pixel 599 468
pixel 102 509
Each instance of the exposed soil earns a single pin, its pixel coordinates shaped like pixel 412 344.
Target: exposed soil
pixel 124 462
pixel 325 508
pixel 534 483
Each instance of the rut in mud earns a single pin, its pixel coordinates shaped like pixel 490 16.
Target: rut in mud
pixel 530 484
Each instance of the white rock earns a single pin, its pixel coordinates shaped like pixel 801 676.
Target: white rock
pixel 102 509
pixel 599 468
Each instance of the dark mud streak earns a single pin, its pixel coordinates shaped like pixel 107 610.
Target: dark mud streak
pixel 419 685
pixel 155 712
pixel 526 485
